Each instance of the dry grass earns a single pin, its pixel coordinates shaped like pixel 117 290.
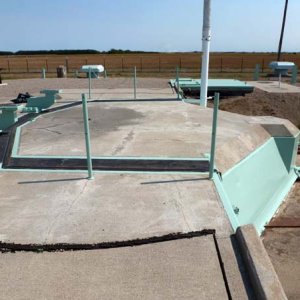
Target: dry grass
pixel 147 64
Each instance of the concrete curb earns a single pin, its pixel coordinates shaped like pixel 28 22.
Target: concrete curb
pixel 262 274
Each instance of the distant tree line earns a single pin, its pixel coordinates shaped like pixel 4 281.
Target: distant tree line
pixel 69 52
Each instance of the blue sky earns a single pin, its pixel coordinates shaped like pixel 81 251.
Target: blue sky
pixel 158 25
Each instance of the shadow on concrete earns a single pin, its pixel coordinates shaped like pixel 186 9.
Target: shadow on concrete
pixel 53 180
pixel 242 268
pixel 174 181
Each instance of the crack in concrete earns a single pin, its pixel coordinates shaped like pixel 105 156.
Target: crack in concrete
pixel 179 205
pixel 63 213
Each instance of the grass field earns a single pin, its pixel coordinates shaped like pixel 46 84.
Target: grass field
pixel 162 64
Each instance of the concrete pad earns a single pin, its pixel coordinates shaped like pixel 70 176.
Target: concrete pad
pixel 273 87
pixel 182 269
pixel 168 129
pixel 50 208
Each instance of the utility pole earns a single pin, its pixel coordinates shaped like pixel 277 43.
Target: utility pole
pixel 282 31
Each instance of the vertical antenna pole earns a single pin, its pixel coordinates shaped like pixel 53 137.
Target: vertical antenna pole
pixel 206 37
pixel 214 136
pixel 87 137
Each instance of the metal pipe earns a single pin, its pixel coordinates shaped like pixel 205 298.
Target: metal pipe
pixel 294 75
pixel 282 31
pixel 279 80
pixel 87 137
pixel 134 82
pixel 206 37
pixel 214 136
pixel 177 82
pixel 90 82
pixel 43 73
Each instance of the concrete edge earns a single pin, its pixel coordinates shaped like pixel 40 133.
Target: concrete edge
pixel 262 274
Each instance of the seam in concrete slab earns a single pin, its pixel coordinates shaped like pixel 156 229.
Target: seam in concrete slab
pixel 12 247
pixel 222 267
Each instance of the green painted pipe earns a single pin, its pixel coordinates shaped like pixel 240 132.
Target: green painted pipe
pixel 294 75
pixel 43 73
pixel 87 137
pixel 177 82
pixel 214 135
pixel 134 82
pixel 90 82
pixel 256 72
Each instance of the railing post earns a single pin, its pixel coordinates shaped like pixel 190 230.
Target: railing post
pixel 256 72
pixel 214 135
pixel 177 82
pixel 90 82
pixel 294 75
pixel 43 73
pixel 134 82
pixel 87 137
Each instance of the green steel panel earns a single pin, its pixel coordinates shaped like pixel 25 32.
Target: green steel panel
pixel 221 84
pixel 254 188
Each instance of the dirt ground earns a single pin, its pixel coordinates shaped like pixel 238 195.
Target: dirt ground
pixel 283 243
pixel 260 103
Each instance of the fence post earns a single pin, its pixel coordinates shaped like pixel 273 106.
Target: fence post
pixel 8 65
pixel 214 136
pixel 159 64
pixel 67 65
pixel 87 137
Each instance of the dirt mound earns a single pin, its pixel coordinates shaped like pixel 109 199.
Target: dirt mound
pixel 261 103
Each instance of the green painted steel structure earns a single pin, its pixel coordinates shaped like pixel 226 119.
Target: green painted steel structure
pixel 214 135
pixel 42 102
pixel 253 189
pixel 294 75
pixel 222 86
pixel 87 137
pixel 8 116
